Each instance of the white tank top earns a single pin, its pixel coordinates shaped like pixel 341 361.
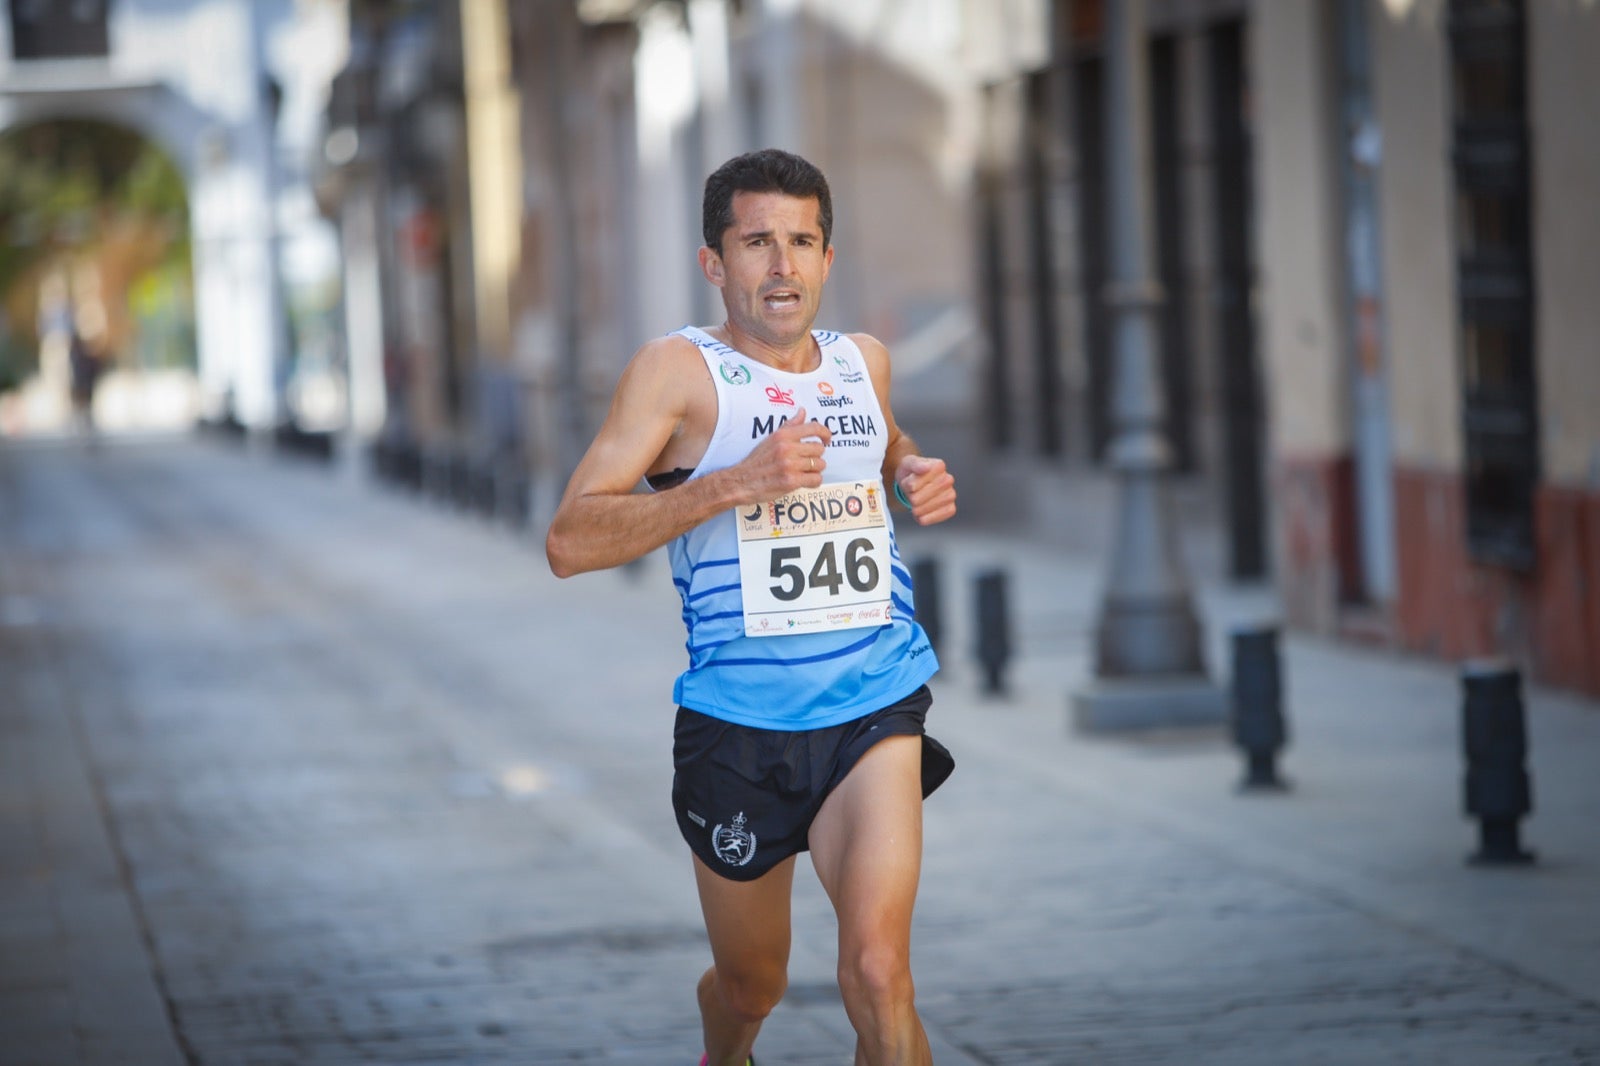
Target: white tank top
pixel 811 680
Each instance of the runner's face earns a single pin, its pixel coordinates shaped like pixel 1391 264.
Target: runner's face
pixel 772 266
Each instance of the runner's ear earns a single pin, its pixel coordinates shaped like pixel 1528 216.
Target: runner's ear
pixel 711 266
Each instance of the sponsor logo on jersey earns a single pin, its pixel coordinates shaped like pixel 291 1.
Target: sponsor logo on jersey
pixel 735 373
pixel 783 396
pixel 843 427
pixel 846 374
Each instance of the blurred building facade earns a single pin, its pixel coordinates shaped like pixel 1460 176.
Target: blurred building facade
pixel 1373 228
pixel 550 156
pixel 1432 356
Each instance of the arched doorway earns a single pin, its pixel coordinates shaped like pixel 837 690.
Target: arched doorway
pixel 228 164
pixel 96 279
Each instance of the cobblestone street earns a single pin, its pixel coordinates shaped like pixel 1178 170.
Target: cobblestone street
pixel 294 770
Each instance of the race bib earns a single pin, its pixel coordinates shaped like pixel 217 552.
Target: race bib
pixel 815 560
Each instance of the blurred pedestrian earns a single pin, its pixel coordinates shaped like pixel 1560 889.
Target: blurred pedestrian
pixel 801 712
pixel 84 369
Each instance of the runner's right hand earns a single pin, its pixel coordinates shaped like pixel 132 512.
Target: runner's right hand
pixel 790 458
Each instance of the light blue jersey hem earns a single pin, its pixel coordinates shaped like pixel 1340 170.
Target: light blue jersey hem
pixel 914 676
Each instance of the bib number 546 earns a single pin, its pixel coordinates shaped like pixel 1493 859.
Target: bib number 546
pixel 860 570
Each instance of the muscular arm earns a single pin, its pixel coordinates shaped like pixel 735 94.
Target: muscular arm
pixel 601 522
pixel 927 484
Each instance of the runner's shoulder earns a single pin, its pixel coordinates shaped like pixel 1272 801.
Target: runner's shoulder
pixel 871 347
pixel 666 366
pixel 672 351
pixel 874 352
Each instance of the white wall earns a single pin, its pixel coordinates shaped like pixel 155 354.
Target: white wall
pixel 1410 86
pixel 1297 176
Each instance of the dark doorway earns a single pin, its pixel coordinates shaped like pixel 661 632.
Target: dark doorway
pixel 1047 385
pixel 998 413
pixel 1176 352
pixel 1240 375
pixel 1088 124
pixel 1495 286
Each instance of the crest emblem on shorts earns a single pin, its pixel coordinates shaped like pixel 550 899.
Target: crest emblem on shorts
pixel 733 843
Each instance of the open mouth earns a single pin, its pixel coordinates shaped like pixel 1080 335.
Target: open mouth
pixel 781 300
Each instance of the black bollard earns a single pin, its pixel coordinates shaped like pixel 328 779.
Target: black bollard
pixel 436 474
pixel 994 634
pixel 1257 712
pixel 511 492
pixel 460 474
pixel 481 486
pixel 1497 789
pixel 408 465
pixel 925 591
pixel 381 459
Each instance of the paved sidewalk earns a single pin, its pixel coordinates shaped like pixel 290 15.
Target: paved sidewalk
pixel 298 771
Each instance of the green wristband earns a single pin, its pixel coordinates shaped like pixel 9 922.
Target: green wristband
pixel 900 495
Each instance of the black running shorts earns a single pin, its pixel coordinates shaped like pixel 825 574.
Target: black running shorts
pixel 745 798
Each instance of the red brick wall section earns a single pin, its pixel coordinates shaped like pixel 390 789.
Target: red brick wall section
pixel 1438 609
pixel 1308 569
pixel 1563 641
pixel 1454 608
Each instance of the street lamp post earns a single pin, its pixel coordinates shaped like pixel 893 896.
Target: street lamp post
pixel 1149 669
pixel 280 344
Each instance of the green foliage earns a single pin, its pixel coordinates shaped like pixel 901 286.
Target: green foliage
pixel 61 181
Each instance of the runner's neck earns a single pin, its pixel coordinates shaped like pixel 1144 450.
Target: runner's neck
pixel 802 357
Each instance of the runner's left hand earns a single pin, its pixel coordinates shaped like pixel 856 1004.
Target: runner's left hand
pixel 929 486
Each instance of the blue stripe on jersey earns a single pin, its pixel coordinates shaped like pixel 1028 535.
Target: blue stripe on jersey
pixel 703 593
pixel 721 614
pixel 849 649
pixel 701 650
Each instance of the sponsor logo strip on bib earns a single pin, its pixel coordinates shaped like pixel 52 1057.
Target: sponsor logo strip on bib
pixel 815 561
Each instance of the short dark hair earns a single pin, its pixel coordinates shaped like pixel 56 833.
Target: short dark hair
pixel 766 170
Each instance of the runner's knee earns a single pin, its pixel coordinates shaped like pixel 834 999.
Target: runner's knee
pixel 750 997
pixel 876 973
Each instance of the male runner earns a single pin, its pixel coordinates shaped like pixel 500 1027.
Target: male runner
pixel 800 721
